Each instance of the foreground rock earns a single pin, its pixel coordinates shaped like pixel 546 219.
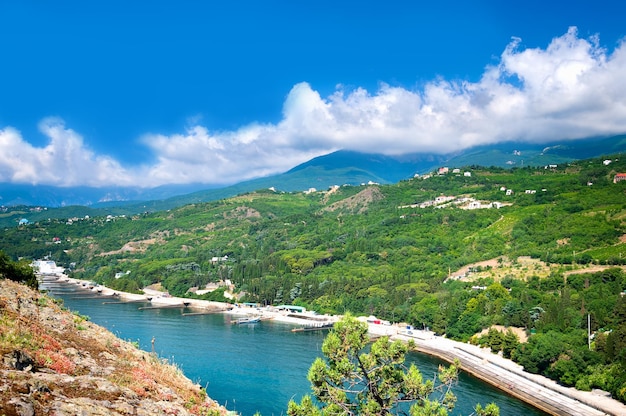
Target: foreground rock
pixel 56 362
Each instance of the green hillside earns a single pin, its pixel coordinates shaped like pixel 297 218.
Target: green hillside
pixel 400 252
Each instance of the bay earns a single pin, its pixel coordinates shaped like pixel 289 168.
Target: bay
pixel 247 368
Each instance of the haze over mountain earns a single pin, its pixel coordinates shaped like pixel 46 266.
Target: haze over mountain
pixel 337 168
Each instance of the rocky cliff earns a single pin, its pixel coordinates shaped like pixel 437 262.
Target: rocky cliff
pixel 56 362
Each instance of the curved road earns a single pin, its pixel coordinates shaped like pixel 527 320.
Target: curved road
pixel 536 390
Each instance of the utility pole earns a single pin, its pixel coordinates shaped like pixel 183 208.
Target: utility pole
pixel 589 330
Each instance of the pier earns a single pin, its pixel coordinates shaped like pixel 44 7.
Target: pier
pixel 181 306
pixel 199 313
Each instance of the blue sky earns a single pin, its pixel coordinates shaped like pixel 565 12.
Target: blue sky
pixel 160 92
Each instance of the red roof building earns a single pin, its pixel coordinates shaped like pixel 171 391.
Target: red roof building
pixel 619 177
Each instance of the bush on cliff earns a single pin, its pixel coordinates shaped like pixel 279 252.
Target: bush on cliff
pixel 19 271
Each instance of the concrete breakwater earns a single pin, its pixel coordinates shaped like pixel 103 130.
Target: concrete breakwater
pixel 156 298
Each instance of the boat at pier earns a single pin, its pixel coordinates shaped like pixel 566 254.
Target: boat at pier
pixel 315 327
pixel 247 320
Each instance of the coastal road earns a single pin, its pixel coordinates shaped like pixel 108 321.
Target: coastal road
pixel 539 391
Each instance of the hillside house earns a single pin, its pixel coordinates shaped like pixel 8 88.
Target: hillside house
pixel 619 177
pixel 215 260
pixel 443 199
pixel 291 308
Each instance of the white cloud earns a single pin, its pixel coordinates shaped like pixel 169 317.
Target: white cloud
pixel 572 89
pixel 65 161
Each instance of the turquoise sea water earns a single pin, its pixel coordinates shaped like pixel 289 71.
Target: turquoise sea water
pixel 247 368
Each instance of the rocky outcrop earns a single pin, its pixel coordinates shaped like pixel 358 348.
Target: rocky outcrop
pixel 56 362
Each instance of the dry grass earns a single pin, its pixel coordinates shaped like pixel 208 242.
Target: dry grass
pixel 53 356
pixel 522 268
pixel 499 268
pixel 358 203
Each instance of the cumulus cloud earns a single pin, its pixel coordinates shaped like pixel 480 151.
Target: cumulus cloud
pixel 65 161
pixel 223 157
pixel 572 89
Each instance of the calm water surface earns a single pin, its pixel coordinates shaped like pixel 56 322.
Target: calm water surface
pixel 247 368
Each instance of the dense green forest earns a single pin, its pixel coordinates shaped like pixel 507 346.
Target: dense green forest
pixel 396 251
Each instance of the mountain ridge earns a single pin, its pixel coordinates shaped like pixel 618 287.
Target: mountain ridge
pixel 342 167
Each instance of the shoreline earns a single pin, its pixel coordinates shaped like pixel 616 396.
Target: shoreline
pixel 504 374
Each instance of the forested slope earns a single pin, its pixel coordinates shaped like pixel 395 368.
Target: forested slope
pixel 391 250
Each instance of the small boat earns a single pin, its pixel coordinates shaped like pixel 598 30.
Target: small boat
pixel 318 327
pixel 249 320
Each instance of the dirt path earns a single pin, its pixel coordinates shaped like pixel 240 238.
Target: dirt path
pixel 522 268
pixel 591 269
